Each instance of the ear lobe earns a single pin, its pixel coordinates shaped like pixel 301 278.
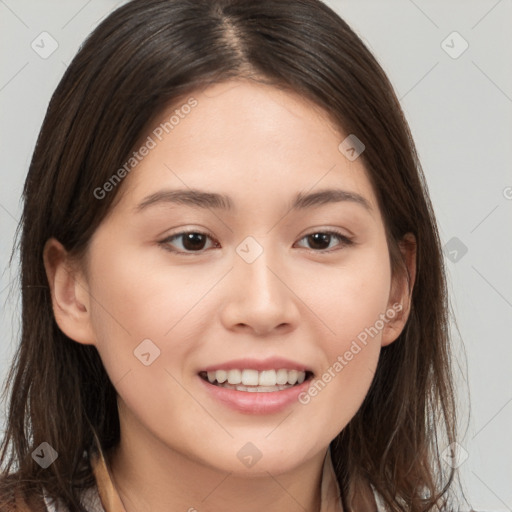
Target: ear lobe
pixel 70 298
pixel 400 298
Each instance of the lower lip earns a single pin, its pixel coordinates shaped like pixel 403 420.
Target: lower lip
pixel 256 402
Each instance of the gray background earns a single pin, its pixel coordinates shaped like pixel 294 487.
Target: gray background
pixel 459 108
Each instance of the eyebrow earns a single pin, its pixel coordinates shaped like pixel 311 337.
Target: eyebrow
pixel 212 200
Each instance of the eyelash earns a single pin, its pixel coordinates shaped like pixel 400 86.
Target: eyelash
pixel 345 242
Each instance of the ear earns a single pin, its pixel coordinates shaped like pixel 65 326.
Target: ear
pixel 70 295
pixel 400 297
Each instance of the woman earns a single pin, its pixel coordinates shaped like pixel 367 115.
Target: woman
pixel 232 283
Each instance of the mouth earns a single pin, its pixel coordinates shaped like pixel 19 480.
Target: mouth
pixel 254 381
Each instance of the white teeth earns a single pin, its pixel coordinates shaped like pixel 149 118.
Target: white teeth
pixel 281 377
pixel 253 380
pixel 255 389
pixel 292 376
pixel 250 377
pixel 267 378
pixel 234 376
pixel 221 376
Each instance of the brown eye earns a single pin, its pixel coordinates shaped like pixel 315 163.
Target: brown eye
pixel 191 241
pixel 321 240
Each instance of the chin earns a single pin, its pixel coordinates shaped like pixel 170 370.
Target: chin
pixel 258 458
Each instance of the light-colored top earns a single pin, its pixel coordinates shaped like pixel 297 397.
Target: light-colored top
pixel 104 497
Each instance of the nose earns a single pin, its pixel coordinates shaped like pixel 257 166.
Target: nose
pixel 260 298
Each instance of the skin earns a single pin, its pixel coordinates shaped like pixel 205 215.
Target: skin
pixel 261 146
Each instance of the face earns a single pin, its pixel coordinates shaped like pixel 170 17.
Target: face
pixel 288 298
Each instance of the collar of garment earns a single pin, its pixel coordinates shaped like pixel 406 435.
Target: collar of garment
pixel 111 501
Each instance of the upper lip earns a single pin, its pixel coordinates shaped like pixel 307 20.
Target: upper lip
pixel 271 363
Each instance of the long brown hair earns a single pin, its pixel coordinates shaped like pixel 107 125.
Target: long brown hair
pixel 139 60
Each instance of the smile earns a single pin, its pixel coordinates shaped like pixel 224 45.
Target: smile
pixel 249 380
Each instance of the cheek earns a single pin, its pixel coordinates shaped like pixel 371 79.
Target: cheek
pixel 349 298
pixel 146 287
pixel 352 303
pixel 144 336
pixel 336 395
pixel 143 304
pixel 134 307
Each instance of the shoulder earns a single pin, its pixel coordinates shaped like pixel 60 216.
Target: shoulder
pixel 17 496
pixel 13 499
pixel 89 499
pixel 32 504
pixel 379 501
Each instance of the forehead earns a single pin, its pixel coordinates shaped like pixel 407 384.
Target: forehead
pixel 245 139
